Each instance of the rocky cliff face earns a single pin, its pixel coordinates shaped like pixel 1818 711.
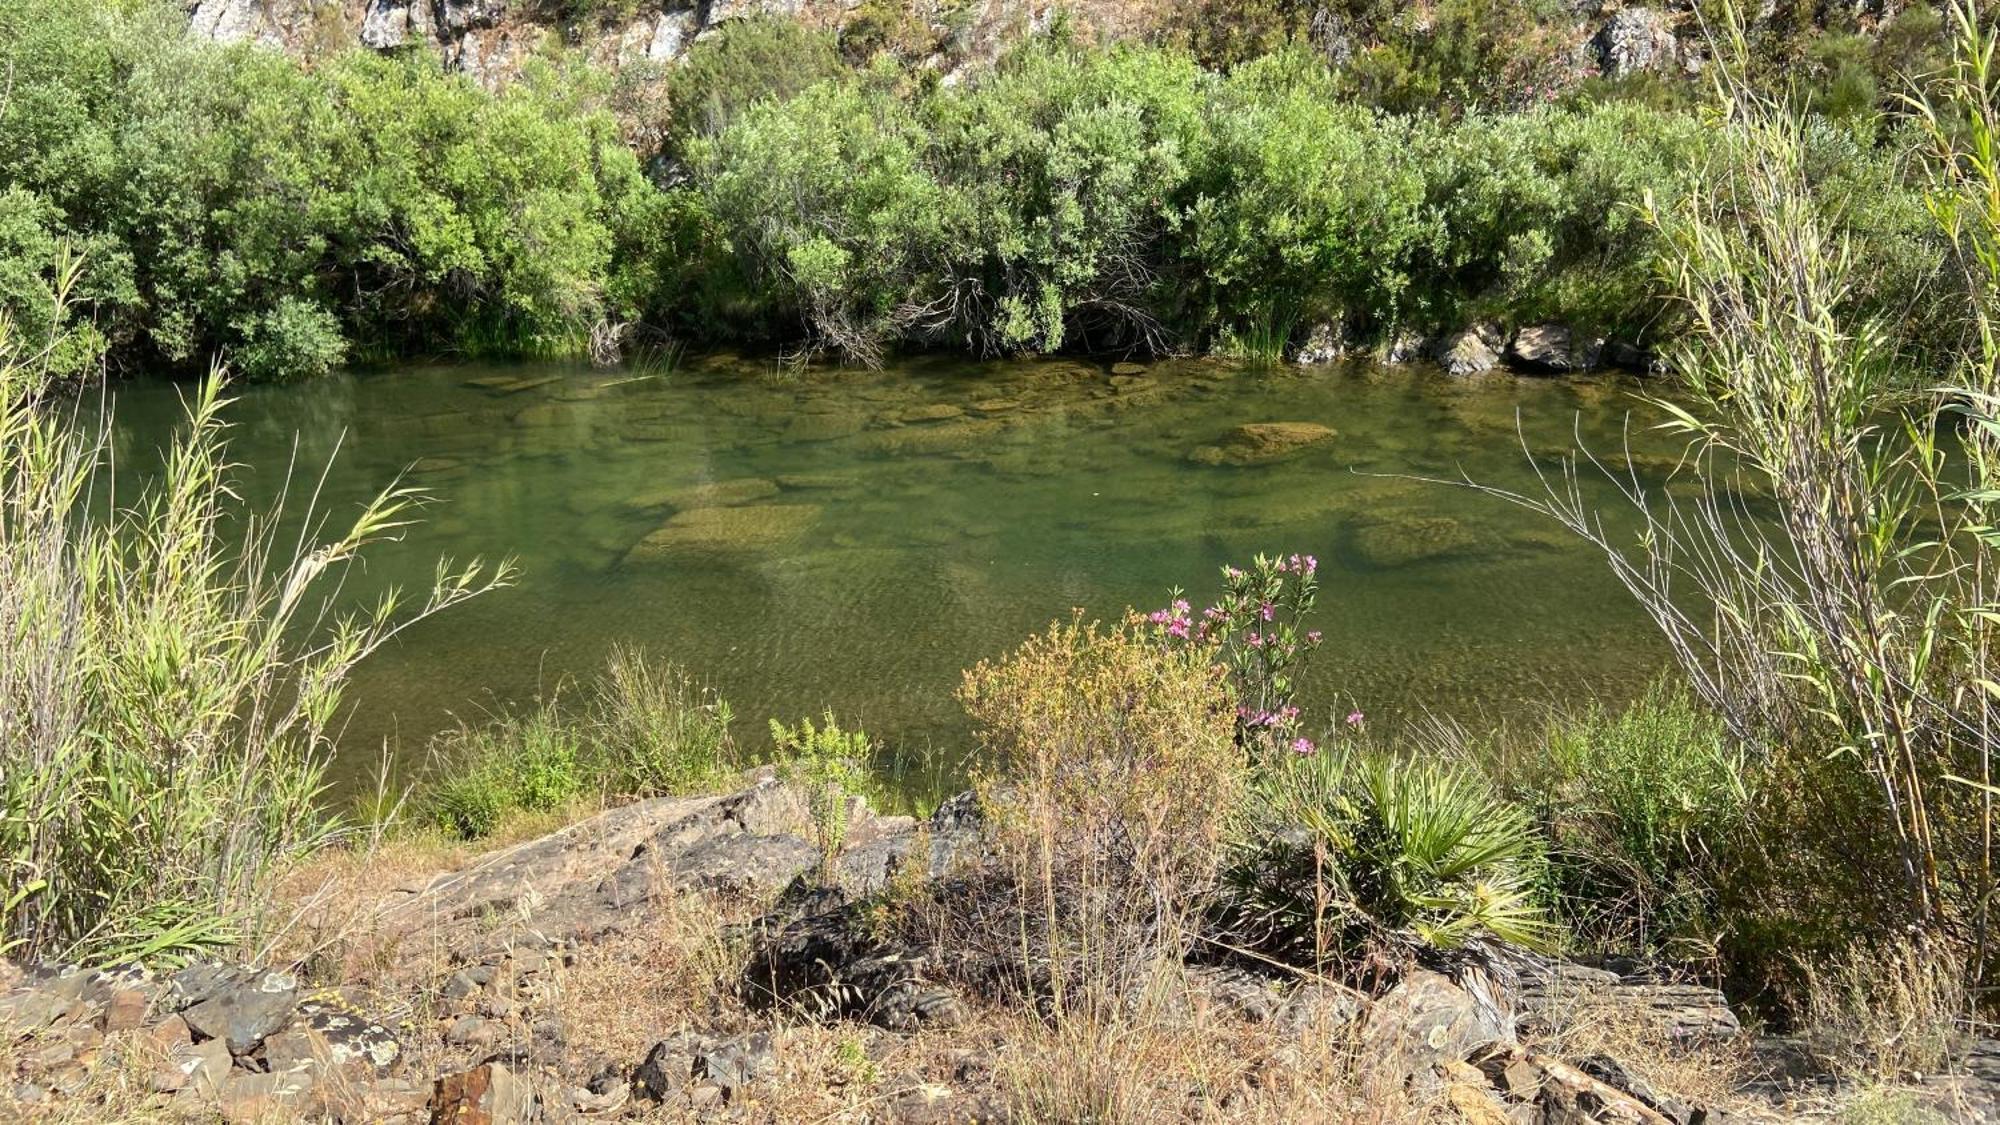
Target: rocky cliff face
pixel 489 39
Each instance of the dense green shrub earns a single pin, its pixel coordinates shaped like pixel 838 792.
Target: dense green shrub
pixel 231 200
pixel 1641 809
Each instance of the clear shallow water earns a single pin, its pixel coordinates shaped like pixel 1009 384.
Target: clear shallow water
pixel 855 540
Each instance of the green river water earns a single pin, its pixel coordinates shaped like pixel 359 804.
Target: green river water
pixel 854 540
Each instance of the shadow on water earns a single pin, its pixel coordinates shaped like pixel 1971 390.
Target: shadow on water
pixel 857 539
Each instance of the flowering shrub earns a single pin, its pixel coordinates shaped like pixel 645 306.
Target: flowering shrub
pixel 1254 628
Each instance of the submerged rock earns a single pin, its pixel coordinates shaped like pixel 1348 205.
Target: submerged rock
pixel 1402 540
pixel 825 427
pixel 1260 443
pixel 710 494
pixel 747 529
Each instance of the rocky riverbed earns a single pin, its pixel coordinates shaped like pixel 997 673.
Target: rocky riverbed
pixel 476 995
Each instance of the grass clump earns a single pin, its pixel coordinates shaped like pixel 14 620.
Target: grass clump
pixel 643 729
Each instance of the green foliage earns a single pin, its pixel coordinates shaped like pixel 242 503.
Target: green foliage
pixel 744 64
pixel 831 765
pixel 232 201
pixel 642 729
pixel 1641 809
pixel 531 762
pixel 1349 850
pixel 656 730
pixel 168 686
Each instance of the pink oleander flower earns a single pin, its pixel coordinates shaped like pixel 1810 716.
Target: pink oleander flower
pixel 1179 628
pixel 1303 746
pixel 1180 607
pixel 1312 636
pixel 1354 718
pixel 1267 611
pixel 1254 640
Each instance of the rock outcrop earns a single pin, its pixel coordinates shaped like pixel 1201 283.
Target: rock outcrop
pixel 1465 1030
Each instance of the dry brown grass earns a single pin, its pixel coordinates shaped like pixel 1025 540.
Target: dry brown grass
pixel 1699 1072
pixel 1884 1012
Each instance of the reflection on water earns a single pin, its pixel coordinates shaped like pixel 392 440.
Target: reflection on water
pixel 856 539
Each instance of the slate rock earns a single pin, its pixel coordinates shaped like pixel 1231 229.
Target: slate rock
pixel 246 1011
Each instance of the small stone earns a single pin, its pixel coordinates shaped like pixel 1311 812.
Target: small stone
pixel 201 1067
pixel 465 982
pixel 472 1031
pixel 667 1067
pixel 126 1009
pixel 704 1096
pixel 488 1094
pixel 735 1063
pixel 251 1098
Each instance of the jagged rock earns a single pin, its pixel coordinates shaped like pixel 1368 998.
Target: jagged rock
pixel 832 964
pixel 241 1007
pixel 325 1032
pixel 388 24
pixel 234 21
pixel 1634 40
pixel 672 35
pixel 1261 443
pixel 1545 347
pixel 461 16
pixel 1421 1022
pixel 1471 351
pixel 202 1067
pixel 1324 344
pixel 1553 993
pixel 489 1094
pixel 1405 347
pixel 251 1096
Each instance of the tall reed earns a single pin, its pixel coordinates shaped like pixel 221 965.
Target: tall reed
pixel 170 677
pixel 1829 588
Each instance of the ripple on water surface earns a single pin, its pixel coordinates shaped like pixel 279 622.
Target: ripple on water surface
pixel 856 539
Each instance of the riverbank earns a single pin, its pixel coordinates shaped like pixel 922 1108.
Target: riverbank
pixel 1068 196
pixel 701 959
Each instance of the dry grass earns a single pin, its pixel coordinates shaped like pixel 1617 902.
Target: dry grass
pixel 1883 1012
pixel 1699 1072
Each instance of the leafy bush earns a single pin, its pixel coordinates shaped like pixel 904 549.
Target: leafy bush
pixel 745 63
pixel 1253 631
pixel 231 200
pixel 1348 851
pixel 1112 774
pixel 831 765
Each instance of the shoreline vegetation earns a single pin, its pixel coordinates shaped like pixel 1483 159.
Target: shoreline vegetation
pixel 778 190
pixel 1170 893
